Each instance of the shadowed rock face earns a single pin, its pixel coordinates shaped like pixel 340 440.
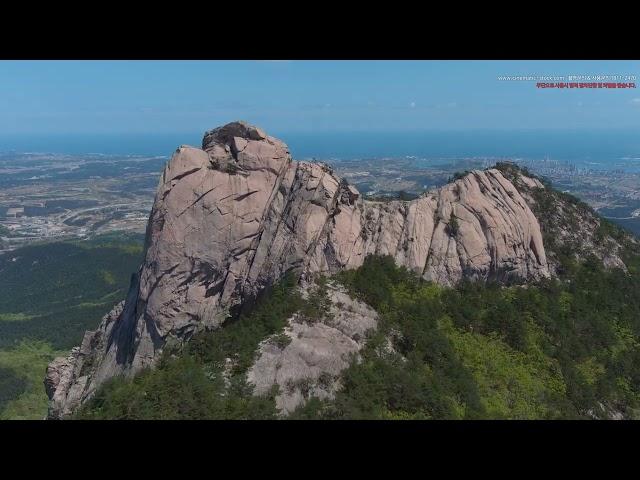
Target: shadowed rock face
pixel 234 216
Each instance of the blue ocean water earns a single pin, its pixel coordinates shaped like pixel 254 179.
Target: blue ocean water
pixel 108 144
pixel 570 145
pixel 593 147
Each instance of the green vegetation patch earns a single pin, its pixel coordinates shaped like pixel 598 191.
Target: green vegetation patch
pixel 12 385
pixel 108 277
pixel 54 292
pixel 22 371
pixel 14 317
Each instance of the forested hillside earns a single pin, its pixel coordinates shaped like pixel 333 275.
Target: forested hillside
pixel 565 348
pixel 49 295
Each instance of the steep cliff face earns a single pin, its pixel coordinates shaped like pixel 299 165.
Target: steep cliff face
pixel 234 216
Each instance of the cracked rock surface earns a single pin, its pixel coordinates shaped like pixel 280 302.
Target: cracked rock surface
pixel 317 352
pixel 235 215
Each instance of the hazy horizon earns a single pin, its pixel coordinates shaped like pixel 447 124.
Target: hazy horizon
pixel 567 144
pixel 342 109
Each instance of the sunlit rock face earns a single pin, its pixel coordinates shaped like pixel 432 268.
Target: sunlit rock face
pixel 235 215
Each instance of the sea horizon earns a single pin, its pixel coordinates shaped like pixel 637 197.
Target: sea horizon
pixel 594 146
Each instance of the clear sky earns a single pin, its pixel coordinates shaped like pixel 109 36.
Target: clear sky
pixel 67 97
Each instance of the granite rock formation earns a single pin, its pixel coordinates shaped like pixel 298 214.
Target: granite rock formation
pixel 317 352
pixel 233 216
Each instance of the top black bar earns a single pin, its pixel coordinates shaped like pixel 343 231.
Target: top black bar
pixel 270 33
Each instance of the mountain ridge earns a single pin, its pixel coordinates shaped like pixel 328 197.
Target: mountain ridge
pixel 233 217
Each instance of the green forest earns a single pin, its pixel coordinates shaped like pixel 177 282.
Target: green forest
pixel 49 295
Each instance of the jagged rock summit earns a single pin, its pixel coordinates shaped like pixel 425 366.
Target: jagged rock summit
pixel 235 215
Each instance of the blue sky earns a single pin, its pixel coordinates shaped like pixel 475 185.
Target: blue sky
pixel 68 97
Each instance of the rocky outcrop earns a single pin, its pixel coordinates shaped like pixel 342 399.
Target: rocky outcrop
pixel 310 363
pixel 67 378
pixel 58 381
pixel 233 216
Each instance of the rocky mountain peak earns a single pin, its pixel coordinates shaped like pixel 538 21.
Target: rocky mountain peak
pixel 239 147
pixel 233 217
pixel 224 135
